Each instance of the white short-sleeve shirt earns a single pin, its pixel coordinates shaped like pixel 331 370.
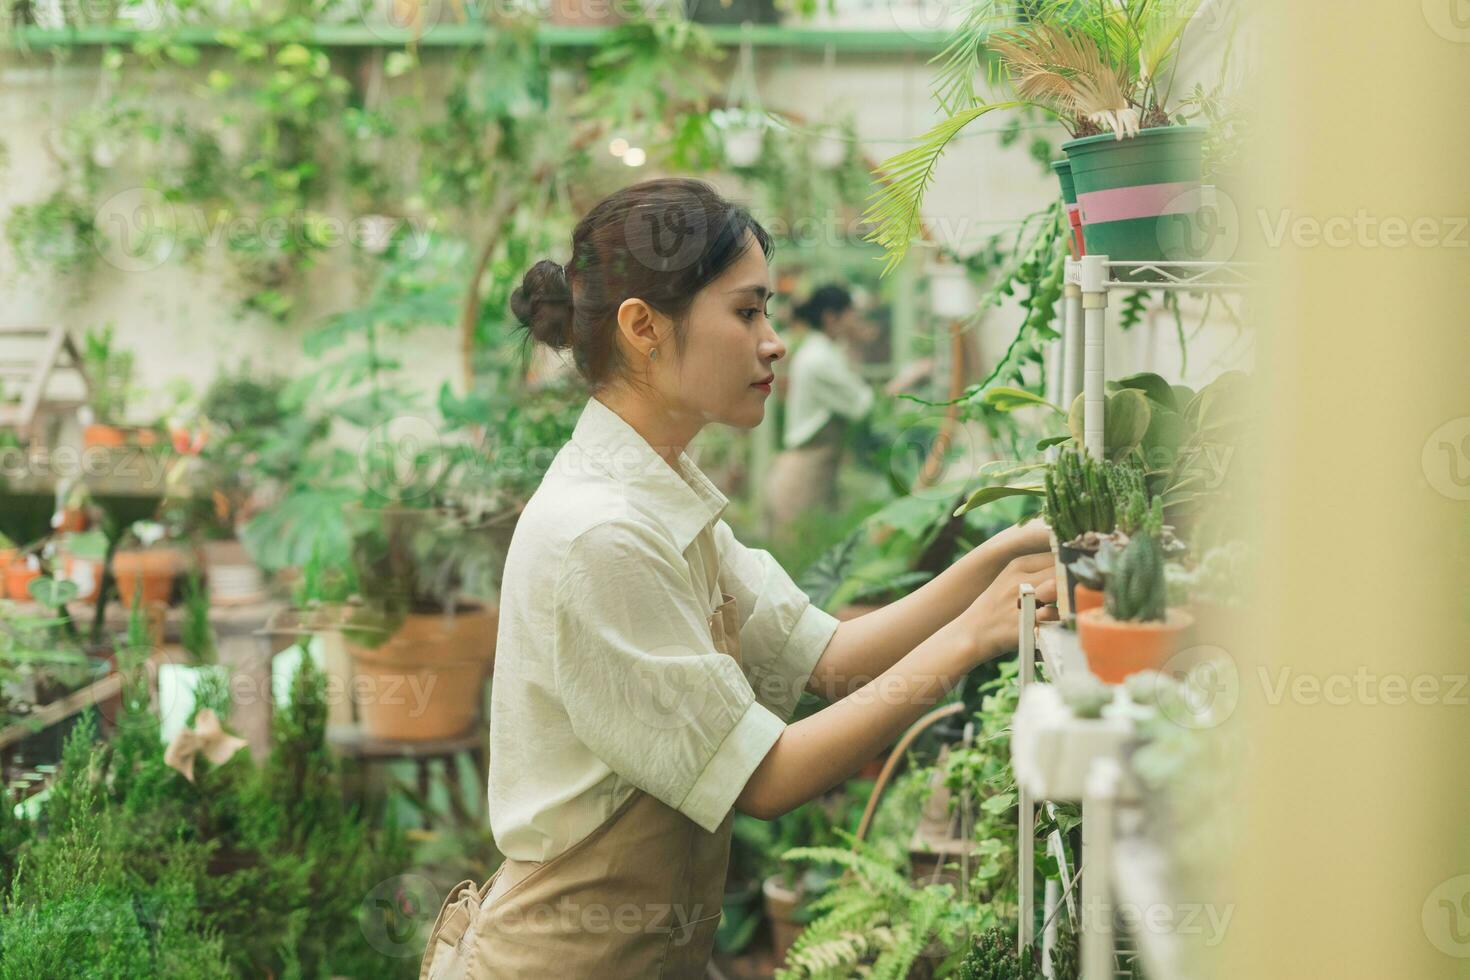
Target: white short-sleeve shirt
pixel 606 678
pixel 823 384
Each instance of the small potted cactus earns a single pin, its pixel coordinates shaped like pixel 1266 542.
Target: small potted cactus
pixel 1084 504
pixel 1135 630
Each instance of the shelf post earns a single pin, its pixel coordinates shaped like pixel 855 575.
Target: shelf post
pixel 1025 806
pixel 1071 340
pixel 1099 800
pixel 1094 291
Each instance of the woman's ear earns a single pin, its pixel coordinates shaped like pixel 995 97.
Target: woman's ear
pixel 643 328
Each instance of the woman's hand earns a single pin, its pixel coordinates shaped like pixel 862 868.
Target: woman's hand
pixel 993 620
pixel 1018 540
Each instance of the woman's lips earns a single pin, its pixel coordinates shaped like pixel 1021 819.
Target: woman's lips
pixel 765 385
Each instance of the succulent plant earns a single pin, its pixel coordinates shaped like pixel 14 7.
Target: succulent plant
pixel 1136 589
pixel 1085 494
pixel 1084 694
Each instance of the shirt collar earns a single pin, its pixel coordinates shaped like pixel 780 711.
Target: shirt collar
pixel 685 507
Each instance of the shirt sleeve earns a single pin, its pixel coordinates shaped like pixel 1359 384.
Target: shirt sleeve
pixel 782 634
pixel 642 683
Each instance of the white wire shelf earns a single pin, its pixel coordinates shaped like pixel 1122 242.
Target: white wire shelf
pixel 1166 275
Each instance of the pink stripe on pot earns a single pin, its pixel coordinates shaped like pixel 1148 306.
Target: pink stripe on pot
pixel 1141 201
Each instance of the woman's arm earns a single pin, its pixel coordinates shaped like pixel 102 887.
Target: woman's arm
pixel 865 647
pixel 816 753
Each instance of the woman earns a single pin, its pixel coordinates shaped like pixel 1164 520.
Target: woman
pixel 647 662
pixel 823 393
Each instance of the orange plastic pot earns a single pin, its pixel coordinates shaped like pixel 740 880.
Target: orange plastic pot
pixel 152 568
pixel 1086 598
pixel 425 681
pixel 1117 649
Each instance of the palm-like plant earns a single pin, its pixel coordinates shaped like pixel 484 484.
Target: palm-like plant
pixel 1096 65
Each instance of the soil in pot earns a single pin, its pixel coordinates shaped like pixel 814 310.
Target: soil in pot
pixel 1115 649
pixel 425 681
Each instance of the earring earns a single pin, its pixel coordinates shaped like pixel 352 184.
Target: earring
pixel 653 354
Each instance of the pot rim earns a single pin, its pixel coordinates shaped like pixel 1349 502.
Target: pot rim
pixel 1176 619
pixel 1187 131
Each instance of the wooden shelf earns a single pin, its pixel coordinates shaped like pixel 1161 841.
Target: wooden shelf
pixel 1061 650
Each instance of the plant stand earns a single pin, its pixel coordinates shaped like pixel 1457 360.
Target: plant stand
pixel 368 753
pixel 1123 866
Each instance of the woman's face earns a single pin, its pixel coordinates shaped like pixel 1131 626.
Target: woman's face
pixel 729 347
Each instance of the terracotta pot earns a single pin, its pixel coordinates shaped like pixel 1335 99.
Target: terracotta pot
pixel 1117 649
pixel 154 568
pixel 113 436
pixel 71 519
pixel 425 681
pixel 781 905
pixel 18 575
pixel 1086 598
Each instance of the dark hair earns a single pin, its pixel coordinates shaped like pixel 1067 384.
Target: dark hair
pixel 661 241
pixel 827 299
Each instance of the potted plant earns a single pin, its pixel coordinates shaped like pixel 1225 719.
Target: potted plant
pixel 1084 498
pixel 146 568
pixel 1135 630
pixel 1105 72
pixel 423 641
pixel 110 380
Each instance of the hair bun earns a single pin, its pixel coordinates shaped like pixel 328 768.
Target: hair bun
pixel 543 304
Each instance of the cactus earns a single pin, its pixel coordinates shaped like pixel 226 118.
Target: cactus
pixel 1084 494
pixel 1136 588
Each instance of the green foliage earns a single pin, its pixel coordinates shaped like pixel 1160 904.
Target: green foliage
pixel 1085 494
pixel 993 957
pixel 134 871
pixel 873 921
pixel 109 374
pixel 1135 589
pixel 196 634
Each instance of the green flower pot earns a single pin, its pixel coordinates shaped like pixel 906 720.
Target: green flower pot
pixel 1139 197
pixel 1063 170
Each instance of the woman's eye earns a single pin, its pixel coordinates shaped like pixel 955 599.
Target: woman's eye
pixel 750 313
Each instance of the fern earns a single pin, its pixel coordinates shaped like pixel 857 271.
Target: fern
pixel 906 176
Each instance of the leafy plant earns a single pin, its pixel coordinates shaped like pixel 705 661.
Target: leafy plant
pixel 196 631
pixel 1094 66
pixel 993 957
pixel 109 374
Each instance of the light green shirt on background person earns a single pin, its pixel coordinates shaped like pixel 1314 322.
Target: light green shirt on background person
pixel 606 677
pixel 823 383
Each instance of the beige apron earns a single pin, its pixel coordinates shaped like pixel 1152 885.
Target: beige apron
pixel 805 479
pixel 637 899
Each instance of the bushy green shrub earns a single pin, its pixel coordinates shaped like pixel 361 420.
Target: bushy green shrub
pixel 248 871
